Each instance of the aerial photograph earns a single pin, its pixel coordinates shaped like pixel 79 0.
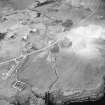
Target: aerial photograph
pixel 52 52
